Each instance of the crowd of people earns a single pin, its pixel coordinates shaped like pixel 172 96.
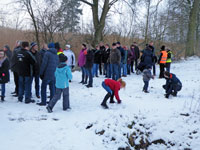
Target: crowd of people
pixel 53 65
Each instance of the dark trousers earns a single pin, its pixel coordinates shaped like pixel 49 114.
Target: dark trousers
pixel 83 74
pixel 146 85
pixel 100 69
pixel 89 74
pixel 168 67
pixel 37 84
pixel 57 96
pixel 135 61
pixel 115 71
pixel 173 88
pixel 24 88
pixel 3 89
pixel 162 69
pixel 51 84
pixel 129 69
pixel 105 65
pixel 16 80
pixel 154 69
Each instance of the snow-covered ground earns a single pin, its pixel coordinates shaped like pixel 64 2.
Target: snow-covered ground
pixel 172 123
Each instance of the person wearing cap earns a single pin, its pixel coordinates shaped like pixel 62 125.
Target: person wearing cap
pixel 63 75
pixel 147 75
pixel 115 60
pixel 70 56
pixel 36 68
pixel 58 48
pixel 169 59
pixel 81 63
pixel 162 60
pixel 24 62
pixel 122 58
pixel 47 70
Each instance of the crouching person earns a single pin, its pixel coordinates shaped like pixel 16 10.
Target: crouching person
pixel 63 75
pixel 112 87
pixel 173 84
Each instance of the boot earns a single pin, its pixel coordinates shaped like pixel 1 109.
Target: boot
pixel 2 98
pixel 86 78
pixel 49 109
pixel 112 99
pixel 104 100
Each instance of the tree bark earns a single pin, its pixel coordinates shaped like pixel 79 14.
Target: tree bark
pixel 190 44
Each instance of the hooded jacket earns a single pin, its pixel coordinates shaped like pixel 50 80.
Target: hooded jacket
pixel 49 63
pixel 63 75
pixel 4 71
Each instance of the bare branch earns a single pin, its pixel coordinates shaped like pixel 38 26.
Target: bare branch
pixel 86 2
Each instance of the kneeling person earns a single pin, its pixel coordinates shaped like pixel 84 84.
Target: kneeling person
pixel 63 75
pixel 173 84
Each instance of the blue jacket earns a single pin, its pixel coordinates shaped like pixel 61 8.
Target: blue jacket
pixel 122 53
pixel 147 57
pixel 63 74
pixel 173 80
pixel 49 63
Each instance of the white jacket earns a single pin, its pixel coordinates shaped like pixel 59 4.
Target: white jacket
pixel 71 57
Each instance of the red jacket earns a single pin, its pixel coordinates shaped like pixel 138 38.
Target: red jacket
pixel 114 86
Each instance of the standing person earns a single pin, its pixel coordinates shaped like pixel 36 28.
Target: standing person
pixel 169 60
pixel 162 61
pixel 112 87
pixel 173 84
pixel 129 60
pixel 4 73
pixel 8 52
pixel 132 58
pixel 62 76
pixel 58 48
pixel 70 56
pixel 36 68
pixel 43 51
pixel 25 61
pixel 154 57
pixel 14 67
pixel 122 58
pixel 115 60
pixel 88 65
pixel 106 56
pixel 81 62
pixel 147 57
pixel 97 61
pixel 146 78
pixel 125 61
pixel 136 55
pixel 102 49
pixel 47 70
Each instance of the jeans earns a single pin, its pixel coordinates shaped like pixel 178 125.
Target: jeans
pixel 3 89
pixel 125 69
pixel 107 88
pixel 89 74
pixel 154 69
pixel 83 73
pixel 57 96
pixel 44 90
pixel 37 84
pixel 168 67
pixel 95 70
pixel 105 69
pixel 129 68
pixel 24 87
pixel 146 84
pixel 120 67
pixel 115 71
pixel 109 72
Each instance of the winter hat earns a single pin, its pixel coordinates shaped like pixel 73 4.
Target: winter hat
pixel 33 44
pixel 118 43
pixel 113 44
pixel 62 58
pixel 51 45
pixel 57 45
pixel 67 46
pixel 84 45
pixel 162 47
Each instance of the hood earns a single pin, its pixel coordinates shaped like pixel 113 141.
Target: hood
pixel 6 46
pixel 62 68
pixel 52 50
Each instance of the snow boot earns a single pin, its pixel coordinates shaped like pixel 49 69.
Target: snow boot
pixel 105 99
pixel 112 98
pixel 2 98
pixel 174 94
pixel 166 95
pixel 49 109
pixel 86 78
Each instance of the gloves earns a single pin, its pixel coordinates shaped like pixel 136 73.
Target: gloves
pixel 41 77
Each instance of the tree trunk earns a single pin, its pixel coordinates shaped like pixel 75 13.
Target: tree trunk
pixel 147 21
pixel 190 44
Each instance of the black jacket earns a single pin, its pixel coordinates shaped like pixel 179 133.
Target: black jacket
pixel 137 52
pixel 89 59
pixel 14 60
pixel 25 62
pixel 105 55
pixel 36 66
pixel 97 56
pixel 147 57
pixel 8 53
pixel 4 72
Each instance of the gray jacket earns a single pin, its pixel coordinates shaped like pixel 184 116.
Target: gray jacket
pixel 115 56
pixel 147 75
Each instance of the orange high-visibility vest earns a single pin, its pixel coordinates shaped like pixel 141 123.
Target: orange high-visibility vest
pixel 164 57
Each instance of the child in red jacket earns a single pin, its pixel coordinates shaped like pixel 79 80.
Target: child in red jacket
pixel 112 87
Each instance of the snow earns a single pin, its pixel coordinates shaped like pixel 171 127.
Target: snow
pixel 175 120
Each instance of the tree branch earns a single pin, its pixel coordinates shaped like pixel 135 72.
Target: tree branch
pixel 86 2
